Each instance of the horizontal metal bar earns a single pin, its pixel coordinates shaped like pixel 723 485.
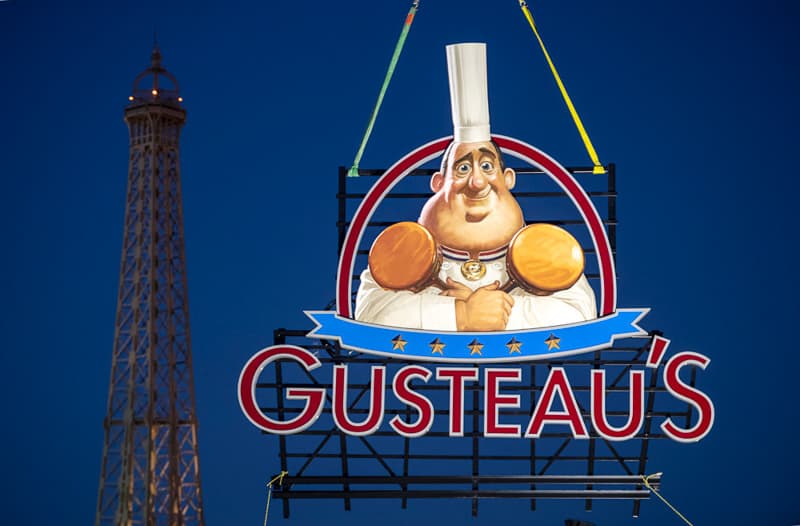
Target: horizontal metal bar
pixel 425 195
pixel 427 387
pixel 527 221
pixel 504 412
pixel 469 479
pixel 421 456
pixel 154 422
pixel 466 494
pixel 360 358
pixel 479 434
pixel 357 277
pixel 291 332
pixel 586 250
pixel 582 170
pixel 314 344
pixel 354 357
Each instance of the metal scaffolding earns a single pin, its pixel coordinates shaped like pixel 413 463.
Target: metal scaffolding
pixel 150 472
pixel 324 463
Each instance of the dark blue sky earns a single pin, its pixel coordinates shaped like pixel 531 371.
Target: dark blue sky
pixel 696 102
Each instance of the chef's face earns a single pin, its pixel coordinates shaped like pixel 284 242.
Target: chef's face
pixel 472 207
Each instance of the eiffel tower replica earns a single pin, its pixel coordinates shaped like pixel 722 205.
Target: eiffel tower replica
pixel 150 473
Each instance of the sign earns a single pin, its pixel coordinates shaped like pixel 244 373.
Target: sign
pixel 451 348
pixel 470 284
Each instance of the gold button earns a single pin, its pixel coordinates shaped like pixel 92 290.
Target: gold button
pixel 473 269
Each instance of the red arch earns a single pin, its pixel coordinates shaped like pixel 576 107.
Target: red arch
pixel 524 151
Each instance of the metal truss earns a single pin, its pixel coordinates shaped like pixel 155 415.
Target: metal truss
pixel 324 463
pixel 542 200
pixel 150 472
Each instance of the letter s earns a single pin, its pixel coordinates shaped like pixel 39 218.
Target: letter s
pixel 682 391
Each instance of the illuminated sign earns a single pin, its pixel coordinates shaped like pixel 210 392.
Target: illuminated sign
pixel 556 388
pixel 469 284
pixel 453 347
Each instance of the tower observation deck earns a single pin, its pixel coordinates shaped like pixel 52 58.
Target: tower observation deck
pixel 150 472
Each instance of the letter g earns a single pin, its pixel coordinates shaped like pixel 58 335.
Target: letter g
pixel 314 397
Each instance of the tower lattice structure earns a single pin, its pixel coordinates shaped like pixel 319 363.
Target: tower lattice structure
pixel 150 472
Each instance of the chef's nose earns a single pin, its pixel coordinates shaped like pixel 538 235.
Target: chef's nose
pixel 477 180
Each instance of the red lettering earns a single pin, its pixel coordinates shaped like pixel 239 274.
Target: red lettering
pixel 556 390
pixel 314 397
pixel 493 400
pixel 457 376
pixel 557 383
pixel 375 415
pixel 422 404
pixel 682 391
pixel 635 406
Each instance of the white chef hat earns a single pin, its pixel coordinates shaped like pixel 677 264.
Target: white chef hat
pixel 469 100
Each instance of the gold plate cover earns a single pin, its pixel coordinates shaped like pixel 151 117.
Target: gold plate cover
pixel 404 257
pixel 544 258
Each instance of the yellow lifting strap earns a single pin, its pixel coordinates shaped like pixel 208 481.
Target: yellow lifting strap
pixel 646 481
pixel 279 479
pixel 598 168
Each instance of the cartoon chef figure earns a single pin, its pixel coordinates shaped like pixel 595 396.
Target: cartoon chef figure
pixel 472 216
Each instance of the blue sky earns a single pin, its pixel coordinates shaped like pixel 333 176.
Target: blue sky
pixel 696 103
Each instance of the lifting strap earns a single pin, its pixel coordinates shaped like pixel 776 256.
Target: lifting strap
pixel 353 172
pixel 598 168
pixel 278 478
pixel 646 481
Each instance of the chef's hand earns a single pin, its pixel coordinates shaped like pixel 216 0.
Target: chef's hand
pixel 486 309
pixel 456 290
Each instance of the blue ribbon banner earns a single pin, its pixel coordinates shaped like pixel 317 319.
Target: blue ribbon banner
pixel 472 347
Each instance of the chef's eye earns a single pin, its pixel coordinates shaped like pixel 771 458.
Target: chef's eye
pixel 463 168
pixel 487 166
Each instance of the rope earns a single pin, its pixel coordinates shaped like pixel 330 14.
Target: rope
pixel 598 168
pixel 353 172
pixel 279 478
pixel 646 481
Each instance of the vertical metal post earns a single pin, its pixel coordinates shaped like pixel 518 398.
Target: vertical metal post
pixel 279 338
pixel 590 466
pixel 611 169
pixel 406 453
pixel 533 441
pixel 341 195
pixel 345 469
pixel 648 421
pixel 476 432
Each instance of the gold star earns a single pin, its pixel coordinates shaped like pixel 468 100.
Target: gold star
pixel 552 342
pixel 475 347
pixel 437 346
pixel 399 343
pixel 513 346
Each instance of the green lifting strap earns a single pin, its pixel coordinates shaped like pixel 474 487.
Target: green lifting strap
pixel 353 172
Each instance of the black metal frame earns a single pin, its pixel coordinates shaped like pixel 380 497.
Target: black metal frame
pixel 589 469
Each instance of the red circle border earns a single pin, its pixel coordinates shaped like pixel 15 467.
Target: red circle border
pixel 519 149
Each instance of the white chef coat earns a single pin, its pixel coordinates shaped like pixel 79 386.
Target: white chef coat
pixel 429 310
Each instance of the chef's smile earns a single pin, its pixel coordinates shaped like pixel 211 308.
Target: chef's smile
pixel 480 197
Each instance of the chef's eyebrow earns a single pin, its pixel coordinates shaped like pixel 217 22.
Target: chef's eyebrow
pixel 464 158
pixel 487 151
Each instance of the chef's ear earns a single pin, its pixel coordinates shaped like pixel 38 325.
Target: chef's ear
pixel 437 182
pixel 510 177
